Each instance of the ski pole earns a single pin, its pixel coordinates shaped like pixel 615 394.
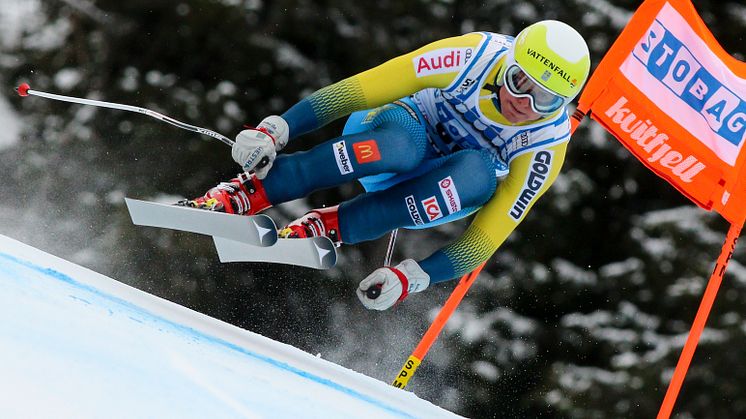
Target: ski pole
pixel 25 90
pixel 414 360
pixel 375 291
pixel 390 248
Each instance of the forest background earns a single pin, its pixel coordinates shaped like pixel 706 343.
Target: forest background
pixel 582 313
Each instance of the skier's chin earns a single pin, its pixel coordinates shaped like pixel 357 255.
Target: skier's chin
pixel 513 115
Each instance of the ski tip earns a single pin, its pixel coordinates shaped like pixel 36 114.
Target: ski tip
pixel 23 89
pixel 129 202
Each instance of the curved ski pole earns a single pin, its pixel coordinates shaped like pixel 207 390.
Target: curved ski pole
pixel 25 90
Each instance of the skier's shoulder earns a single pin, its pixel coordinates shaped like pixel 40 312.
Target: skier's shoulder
pixel 467 40
pixel 478 39
pixel 458 51
pixel 492 40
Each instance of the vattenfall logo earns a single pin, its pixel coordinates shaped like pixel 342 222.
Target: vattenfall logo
pixel 552 66
pixel 536 178
pixel 646 135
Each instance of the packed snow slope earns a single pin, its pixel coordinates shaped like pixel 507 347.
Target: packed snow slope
pixel 74 343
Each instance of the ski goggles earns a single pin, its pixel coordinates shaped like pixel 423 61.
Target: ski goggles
pixel 520 84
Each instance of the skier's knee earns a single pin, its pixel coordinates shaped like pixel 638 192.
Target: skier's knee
pixel 475 168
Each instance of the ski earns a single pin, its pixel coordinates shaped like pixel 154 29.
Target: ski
pixel 314 252
pixel 255 230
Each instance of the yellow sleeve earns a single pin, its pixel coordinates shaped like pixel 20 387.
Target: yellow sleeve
pixel 434 65
pixel 530 176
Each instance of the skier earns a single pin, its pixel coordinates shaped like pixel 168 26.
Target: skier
pixel 473 123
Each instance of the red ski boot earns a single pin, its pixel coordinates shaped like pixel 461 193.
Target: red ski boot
pixel 242 195
pixel 317 222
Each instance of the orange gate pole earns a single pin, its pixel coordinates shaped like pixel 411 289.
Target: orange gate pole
pixel 700 319
pixel 414 360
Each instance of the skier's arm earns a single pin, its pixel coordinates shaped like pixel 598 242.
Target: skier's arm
pixel 394 79
pixel 500 216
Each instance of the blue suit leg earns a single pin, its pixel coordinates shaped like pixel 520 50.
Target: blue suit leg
pixel 455 186
pixel 394 142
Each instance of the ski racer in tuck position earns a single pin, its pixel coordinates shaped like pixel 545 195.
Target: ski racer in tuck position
pixel 473 123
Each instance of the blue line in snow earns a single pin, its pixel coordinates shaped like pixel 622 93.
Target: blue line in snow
pixel 297 371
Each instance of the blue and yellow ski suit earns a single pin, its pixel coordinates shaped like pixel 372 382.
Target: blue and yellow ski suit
pixel 426 138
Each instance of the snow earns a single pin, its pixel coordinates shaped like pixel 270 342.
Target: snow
pixel 616 15
pixel 15 16
pixel 587 321
pixel 687 219
pixel 89 346
pixel 567 272
pixel 50 36
pixel 286 54
pixel 67 78
pixel 130 79
pixel 486 370
pixel 11 123
pixel 619 269
pixel 508 333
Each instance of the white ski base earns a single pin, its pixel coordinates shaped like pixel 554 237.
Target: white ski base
pixel 258 230
pixel 316 252
pixel 76 344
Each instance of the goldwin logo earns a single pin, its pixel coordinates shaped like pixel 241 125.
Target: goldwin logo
pixel 537 175
pixel 414 213
pixel 646 135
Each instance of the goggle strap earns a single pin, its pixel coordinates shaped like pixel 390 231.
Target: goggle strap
pixel 492 88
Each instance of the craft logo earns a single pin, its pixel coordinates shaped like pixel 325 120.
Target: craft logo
pixel 693 76
pixel 653 142
pixel 343 160
pixel 414 213
pixel 439 61
pixel 450 195
pixel 432 209
pixel 370 116
pixel 536 178
pixel 366 151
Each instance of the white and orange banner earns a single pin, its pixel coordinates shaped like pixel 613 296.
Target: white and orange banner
pixel 670 93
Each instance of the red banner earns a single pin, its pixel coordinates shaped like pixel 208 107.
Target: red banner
pixel 670 93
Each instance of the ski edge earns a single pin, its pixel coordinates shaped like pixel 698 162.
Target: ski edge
pixel 319 252
pixel 244 230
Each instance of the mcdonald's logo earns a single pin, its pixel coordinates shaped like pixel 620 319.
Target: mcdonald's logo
pixel 366 151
